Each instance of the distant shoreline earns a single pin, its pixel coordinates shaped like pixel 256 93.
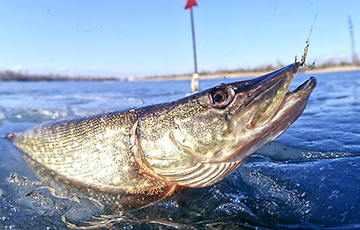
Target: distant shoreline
pixel 7 76
pixel 334 69
pixel 245 74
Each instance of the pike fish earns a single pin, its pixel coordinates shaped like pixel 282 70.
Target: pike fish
pixel 133 158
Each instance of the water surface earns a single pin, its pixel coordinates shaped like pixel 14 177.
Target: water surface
pixel 307 178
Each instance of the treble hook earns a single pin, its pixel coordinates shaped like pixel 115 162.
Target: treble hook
pixel 303 58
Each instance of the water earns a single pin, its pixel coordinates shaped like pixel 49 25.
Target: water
pixel 307 178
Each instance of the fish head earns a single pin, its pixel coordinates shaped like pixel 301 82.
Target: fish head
pixel 255 112
pixel 214 131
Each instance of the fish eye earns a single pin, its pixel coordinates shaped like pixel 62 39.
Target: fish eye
pixel 220 97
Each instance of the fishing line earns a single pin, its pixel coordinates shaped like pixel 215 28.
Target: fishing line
pixel 312 25
pixel 307 43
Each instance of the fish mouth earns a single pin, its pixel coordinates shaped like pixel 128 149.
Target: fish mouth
pixel 294 102
pixel 291 108
pixel 278 118
pixel 292 105
pixel 308 85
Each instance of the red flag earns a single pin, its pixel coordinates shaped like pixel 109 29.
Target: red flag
pixel 190 3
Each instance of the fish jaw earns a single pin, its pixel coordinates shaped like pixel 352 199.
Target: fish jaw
pixel 287 113
pixel 261 124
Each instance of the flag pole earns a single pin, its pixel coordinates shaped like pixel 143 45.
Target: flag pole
pixel 195 78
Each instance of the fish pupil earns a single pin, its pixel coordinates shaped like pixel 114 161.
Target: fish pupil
pixel 220 97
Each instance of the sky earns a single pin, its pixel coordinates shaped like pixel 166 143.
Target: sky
pixel 145 38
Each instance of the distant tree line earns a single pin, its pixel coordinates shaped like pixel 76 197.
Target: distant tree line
pixel 8 75
pixel 271 67
pixel 260 68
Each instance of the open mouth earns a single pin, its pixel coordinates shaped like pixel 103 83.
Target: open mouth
pixel 293 100
pixel 282 113
pixel 307 85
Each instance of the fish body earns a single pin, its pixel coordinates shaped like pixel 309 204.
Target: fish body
pixel 139 156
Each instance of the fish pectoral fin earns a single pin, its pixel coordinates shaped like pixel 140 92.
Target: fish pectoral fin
pixel 199 175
